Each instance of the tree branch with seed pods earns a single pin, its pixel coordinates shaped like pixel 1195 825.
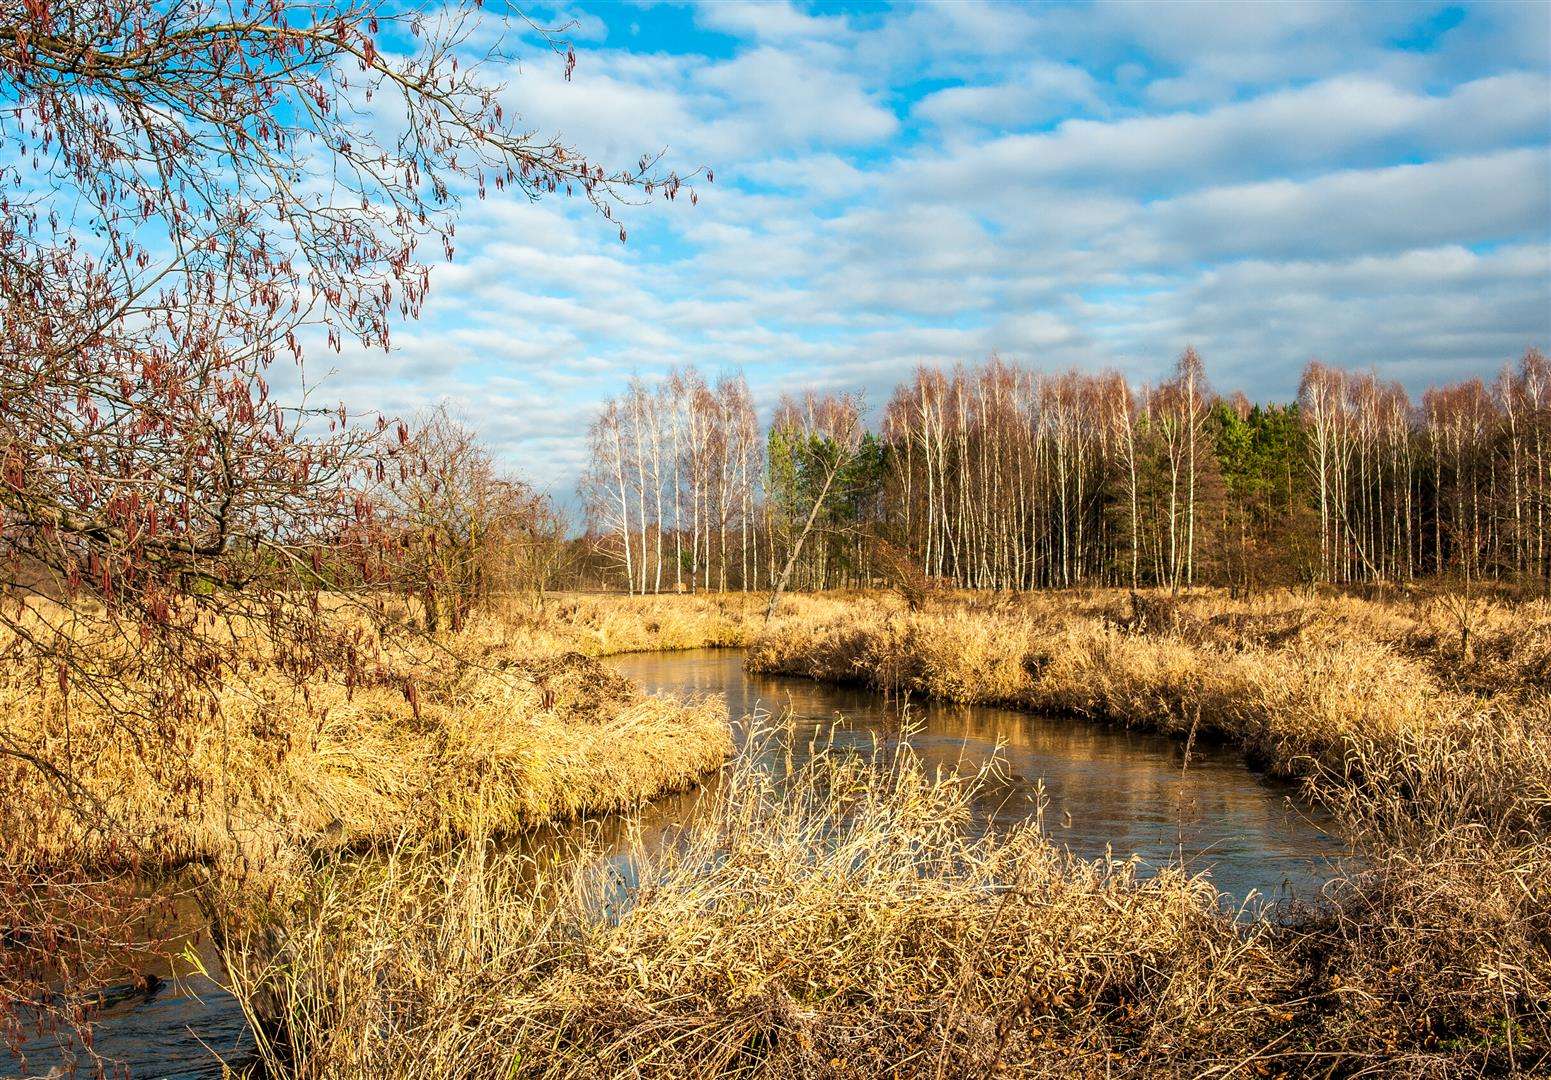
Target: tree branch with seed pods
pixel 191 192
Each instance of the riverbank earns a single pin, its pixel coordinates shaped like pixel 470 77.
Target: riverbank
pixel 844 923
pixel 1425 724
pixel 506 723
pixel 847 926
pixel 1364 699
pixel 841 922
pixel 116 820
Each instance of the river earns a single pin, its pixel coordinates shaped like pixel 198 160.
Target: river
pixel 1104 789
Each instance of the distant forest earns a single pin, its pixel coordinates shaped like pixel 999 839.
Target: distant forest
pixel 1000 477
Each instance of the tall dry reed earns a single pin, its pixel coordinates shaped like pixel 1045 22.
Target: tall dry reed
pixel 846 922
pixel 843 921
pixel 1424 722
pixel 1340 690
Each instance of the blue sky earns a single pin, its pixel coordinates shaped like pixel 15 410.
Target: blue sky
pixel 1091 185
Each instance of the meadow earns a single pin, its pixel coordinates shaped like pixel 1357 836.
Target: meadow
pixel 842 922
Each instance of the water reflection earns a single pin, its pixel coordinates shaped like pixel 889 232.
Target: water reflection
pixel 184 1028
pixel 1107 789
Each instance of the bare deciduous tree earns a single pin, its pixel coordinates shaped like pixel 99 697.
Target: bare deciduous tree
pixel 1000 477
pixel 677 461
pixel 190 191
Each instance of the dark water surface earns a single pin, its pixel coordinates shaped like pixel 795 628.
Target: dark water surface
pixel 1108 789
pixel 1105 789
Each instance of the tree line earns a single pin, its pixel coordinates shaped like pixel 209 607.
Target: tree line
pixel 996 476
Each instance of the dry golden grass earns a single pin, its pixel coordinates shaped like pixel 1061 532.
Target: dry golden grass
pixel 604 624
pixel 1425 723
pixel 845 923
pixel 842 923
pixel 1342 690
pixel 506 730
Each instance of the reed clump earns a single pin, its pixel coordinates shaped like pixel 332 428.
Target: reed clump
pixel 1433 961
pixel 846 921
pixel 843 921
pixel 603 624
pixel 1337 689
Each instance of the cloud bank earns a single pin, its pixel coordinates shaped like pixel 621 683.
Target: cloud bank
pixel 1090 185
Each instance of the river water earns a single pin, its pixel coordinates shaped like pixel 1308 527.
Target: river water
pixel 1108 789
pixel 1105 790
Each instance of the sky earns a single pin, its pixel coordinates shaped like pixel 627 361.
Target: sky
pixel 1089 185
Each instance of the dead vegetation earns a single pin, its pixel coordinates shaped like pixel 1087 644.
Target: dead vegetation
pixel 487 729
pixel 116 805
pixel 601 624
pixel 845 922
pixel 1433 746
pixel 1318 687
pixel 839 923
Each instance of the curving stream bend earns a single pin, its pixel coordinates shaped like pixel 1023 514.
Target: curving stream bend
pixel 1107 789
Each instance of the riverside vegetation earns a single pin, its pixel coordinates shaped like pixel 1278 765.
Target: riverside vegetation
pixel 508 723
pixel 845 923
pixel 108 828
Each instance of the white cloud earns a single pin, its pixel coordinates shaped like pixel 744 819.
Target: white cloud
pixel 793 99
pixel 1471 200
pixel 768 20
pixel 1296 131
pixel 1032 96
